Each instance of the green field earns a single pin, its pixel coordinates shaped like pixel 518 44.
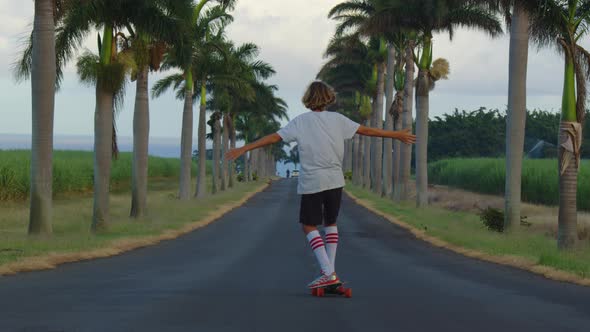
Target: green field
pixel 73 172
pixel 486 175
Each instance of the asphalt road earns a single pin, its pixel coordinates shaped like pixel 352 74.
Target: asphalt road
pixel 248 271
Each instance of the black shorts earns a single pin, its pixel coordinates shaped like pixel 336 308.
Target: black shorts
pixel 323 206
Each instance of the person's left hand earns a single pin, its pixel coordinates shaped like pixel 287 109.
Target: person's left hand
pixel 234 154
pixel 407 137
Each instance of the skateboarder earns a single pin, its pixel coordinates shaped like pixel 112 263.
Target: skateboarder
pixel 320 135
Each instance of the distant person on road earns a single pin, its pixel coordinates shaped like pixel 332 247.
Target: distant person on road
pixel 288 173
pixel 320 136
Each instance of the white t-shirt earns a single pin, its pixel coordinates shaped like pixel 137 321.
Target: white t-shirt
pixel 320 137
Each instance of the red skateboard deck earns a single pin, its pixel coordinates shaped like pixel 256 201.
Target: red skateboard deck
pixel 337 289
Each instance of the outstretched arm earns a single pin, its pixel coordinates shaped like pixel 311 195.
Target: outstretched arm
pixel 266 140
pixel 405 135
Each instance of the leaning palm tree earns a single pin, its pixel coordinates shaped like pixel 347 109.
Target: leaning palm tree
pixel 563 24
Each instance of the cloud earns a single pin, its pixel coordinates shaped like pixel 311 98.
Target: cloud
pixel 292 36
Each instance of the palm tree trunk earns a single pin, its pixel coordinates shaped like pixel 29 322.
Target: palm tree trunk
pixel 202 145
pixel 349 152
pixel 377 142
pixel 568 181
pixel 246 171
pixel 186 146
pixel 216 154
pixel 224 148
pixel 43 74
pixel 568 161
pixel 356 167
pixel 422 107
pixel 346 157
pixel 516 119
pixel 141 134
pixel 388 143
pixel 367 160
pixel 397 145
pixel 407 123
pixel 103 140
pixel 232 142
pixel 253 166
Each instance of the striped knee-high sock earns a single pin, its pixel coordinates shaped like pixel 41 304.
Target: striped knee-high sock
pixel 317 245
pixel 331 243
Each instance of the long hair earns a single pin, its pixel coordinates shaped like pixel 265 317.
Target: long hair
pixel 318 96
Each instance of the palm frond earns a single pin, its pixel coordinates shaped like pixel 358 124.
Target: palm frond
pixel 21 68
pixel 474 17
pixel 174 81
pixel 88 68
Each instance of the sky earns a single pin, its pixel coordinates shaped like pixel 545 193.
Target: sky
pixel 292 36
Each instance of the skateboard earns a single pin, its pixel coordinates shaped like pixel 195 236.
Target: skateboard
pixel 337 289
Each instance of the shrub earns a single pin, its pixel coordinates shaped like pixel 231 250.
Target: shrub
pixel 493 219
pixel 348 175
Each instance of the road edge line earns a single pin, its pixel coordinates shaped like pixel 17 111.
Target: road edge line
pixel 517 262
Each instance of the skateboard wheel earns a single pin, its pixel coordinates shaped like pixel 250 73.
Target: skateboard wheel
pixel 348 293
pixel 320 292
pixel 314 292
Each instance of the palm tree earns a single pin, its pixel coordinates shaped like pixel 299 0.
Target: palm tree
pixel 38 62
pixel 216 134
pixel 563 24
pixel 379 54
pixel 106 71
pixel 43 78
pixel 235 80
pixel 148 50
pixel 399 40
pixel 397 110
pixel 257 119
pixel 196 50
pixel 407 121
pixel 429 17
pixel 519 22
pixel 388 143
pixel 354 15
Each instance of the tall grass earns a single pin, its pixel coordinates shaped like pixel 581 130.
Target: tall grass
pixel 73 172
pixel 540 180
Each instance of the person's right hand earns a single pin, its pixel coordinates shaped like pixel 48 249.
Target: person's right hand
pixel 406 136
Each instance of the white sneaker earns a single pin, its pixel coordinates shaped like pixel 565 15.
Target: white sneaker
pixel 324 280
